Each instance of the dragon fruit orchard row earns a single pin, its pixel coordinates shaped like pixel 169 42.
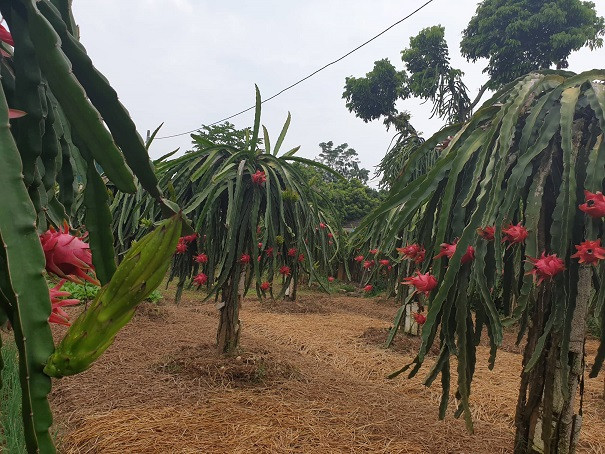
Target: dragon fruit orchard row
pixel 544 267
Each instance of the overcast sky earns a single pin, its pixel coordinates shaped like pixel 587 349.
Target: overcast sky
pixel 191 62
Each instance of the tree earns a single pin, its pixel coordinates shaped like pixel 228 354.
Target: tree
pixel 504 202
pixel 516 35
pixel 429 77
pixel 223 134
pixel 342 160
pixel 374 95
pixel 256 222
pixel 519 36
pixel 345 200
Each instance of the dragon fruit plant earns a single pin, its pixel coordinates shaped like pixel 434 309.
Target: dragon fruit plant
pixel 60 123
pixel 257 221
pixel 521 184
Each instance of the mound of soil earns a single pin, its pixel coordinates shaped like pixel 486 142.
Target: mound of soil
pixel 303 305
pixel 241 370
pixel 151 311
pixel 403 343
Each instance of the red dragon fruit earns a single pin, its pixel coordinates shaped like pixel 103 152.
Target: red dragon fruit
pixel 67 255
pixel 58 315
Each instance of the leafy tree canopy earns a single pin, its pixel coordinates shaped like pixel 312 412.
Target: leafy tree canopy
pixel 429 77
pixel 374 95
pixel 432 77
pixel 222 134
pixel 518 36
pixel 347 200
pixel 344 160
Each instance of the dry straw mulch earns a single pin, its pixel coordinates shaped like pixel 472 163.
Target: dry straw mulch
pixel 306 382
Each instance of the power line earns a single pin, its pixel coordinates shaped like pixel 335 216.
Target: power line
pixel 307 77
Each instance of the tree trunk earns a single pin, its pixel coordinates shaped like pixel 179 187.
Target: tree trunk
pixel 229 326
pixel 340 274
pixel 548 419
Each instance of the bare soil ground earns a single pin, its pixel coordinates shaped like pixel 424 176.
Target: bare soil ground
pixel 310 378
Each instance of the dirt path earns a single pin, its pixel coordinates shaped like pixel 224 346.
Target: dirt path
pixel 309 382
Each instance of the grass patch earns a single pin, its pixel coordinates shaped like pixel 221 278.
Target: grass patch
pixel 11 424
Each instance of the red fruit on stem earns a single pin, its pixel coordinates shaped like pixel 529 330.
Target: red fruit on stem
pixel 594 205
pixel 590 252
pixel 265 286
pixel 368 264
pixel 384 262
pixel 330 278
pixel 545 267
pixel 245 258
pixel 373 251
pixel 58 315
pixel 201 258
pixel 6 37
pixel 200 279
pixel 330 235
pixel 447 250
pixel 424 283
pixel 411 251
pixel 67 255
pixel 359 258
pixel 419 318
pixel 285 270
pixel 259 177
pixel 269 252
pixel 292 252
pixel 189 238
pixel 301 258
pixel 515 234
pixel 368 288
pixel 181 247
pixel 487 233
pixel 469 255
pixel 322 225
pixel 420 256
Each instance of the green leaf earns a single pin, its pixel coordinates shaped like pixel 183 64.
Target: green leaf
pixel 282 135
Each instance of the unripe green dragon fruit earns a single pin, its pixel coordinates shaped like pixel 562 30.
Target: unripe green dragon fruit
pixel 139 274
